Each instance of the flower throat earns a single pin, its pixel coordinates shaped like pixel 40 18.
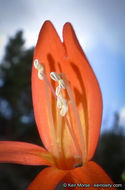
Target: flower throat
pixel 63 107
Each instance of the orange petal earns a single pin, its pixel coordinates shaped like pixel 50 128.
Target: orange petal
pixel 48 51
pixel 51 52
pixel 24 153
pixel 86 88
pixel 47 179
pixel 89 174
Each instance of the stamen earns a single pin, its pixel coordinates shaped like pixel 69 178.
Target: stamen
pixel 59 104
pixel 52 128
pixel 82 136
pixel 65 118
pixel 40 69
pixel 62 103
pixel 36 63
pixel 72 135
pixel 41 76
pixel 40 73
pixel 59 131
pixel 57 78
pixel 58 89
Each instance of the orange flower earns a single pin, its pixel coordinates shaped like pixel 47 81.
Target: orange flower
pixel 68 109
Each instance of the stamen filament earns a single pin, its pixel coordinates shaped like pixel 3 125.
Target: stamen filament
pixel 59 130
pixel 51 118
pixel 50 86
pixel 82 136
pixel 66 120
pixel 72 135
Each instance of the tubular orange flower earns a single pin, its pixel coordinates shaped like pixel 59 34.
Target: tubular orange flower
pixel 68 109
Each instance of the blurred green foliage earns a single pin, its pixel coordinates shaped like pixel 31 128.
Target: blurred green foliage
pixel 16 112
pixel 17 120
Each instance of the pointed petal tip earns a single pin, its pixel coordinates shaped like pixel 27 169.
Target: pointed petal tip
pixel 67 28
pixel 46 27
pixel 48 23
pixel 70 39
pixel 67 25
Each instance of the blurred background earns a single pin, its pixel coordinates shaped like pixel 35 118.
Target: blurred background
pixel 100 28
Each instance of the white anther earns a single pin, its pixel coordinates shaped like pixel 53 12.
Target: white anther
pixel 55 76
pixel 64 108
pixel 40 73
pixel 58 89
pixel 40 69
pixel 36 63
pixel 59 103
pixel 61 83
pixel 62 104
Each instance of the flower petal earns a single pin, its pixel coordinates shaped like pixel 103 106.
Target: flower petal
pixel 24 153
pixel 48 51
pixel 91 174
pixel 47 179
pixel 86 88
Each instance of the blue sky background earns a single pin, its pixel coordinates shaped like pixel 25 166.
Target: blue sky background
pixel 100 28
